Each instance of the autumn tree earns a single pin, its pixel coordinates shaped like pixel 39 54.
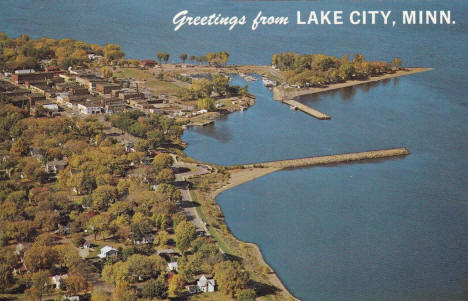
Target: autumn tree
pixel 76 284
pixel 185 233
pixel 397 62
pixel 176 287
pixel 230 277
pixel 106 72
pixel 123 292
pixel 165 176
pixel 162 160
pixel 112 52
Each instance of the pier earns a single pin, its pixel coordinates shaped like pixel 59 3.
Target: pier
pixel 307 109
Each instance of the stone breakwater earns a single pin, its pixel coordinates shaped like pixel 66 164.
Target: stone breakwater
pixel 336 159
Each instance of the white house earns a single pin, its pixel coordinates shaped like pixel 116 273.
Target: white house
pixel 206 285
pixel 58 280
pixel 172 266
pixel 51 107
pixel 107 252
pixel 89 108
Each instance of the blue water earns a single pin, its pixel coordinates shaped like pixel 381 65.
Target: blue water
pixel 387 230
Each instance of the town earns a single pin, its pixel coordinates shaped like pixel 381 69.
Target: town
pixel 98 200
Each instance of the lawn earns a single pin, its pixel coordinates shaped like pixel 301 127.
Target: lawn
pixel 158 86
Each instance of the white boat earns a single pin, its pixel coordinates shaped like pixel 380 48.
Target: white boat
pixel 268 82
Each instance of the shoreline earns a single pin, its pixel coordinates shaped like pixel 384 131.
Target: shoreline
pixel 250 172
pixel 240 177
pixel 281 93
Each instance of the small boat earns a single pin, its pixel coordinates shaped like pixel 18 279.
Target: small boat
pixel 294 108
pixel 268 82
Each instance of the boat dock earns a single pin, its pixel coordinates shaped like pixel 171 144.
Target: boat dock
pixel 306 109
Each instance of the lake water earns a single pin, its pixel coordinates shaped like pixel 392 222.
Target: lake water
pixel 386 230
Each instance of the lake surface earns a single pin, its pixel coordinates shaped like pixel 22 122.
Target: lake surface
pixel 386 230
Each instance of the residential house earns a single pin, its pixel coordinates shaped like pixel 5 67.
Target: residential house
pixel 206 285
pixel 108 252
pixel 147 239
pixel 172 266
pixel 58 280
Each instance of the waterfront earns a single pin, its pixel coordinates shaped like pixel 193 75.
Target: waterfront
pixel 393 230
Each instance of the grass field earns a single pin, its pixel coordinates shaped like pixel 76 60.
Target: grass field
pixel 157 85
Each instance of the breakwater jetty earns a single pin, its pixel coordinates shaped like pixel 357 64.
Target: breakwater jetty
pixel 250 172
pixel 306 109
pixel 336 159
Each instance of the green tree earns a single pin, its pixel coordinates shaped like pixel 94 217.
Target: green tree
pixel 185 233
pixel 155 288
pixel 162 160
pixel 206 103
pixel 220 84
pixel 183 57
pixel 246 295
pixel 160 56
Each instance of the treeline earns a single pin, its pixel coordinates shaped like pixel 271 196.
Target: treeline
pixel 202 90
pixel 318 69
pixel 156 130
pixel 24 53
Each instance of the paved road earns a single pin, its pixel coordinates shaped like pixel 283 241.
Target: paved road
pixel 189 206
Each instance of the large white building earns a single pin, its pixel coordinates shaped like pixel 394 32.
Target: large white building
pixel 89 108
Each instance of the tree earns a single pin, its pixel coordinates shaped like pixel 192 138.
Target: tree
pixel 19 147
pixel 6 276
pixel 166 57
pixel 231 278
pixel 103 196
pixel 185 233
pixel 39 285
pixel 106 72
pixel 176 287
pixel 99 295
pixel 183 57
pixel 76 284
pixel 155 288
pixel 123 292
pixel 160 56
pixel 246 295
pixel 40 257
pixel 162 160
pixel 206 103
pixel 161 238
pixel 165 176
pixel 220 84
pixel 113 52
pixel 397 62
